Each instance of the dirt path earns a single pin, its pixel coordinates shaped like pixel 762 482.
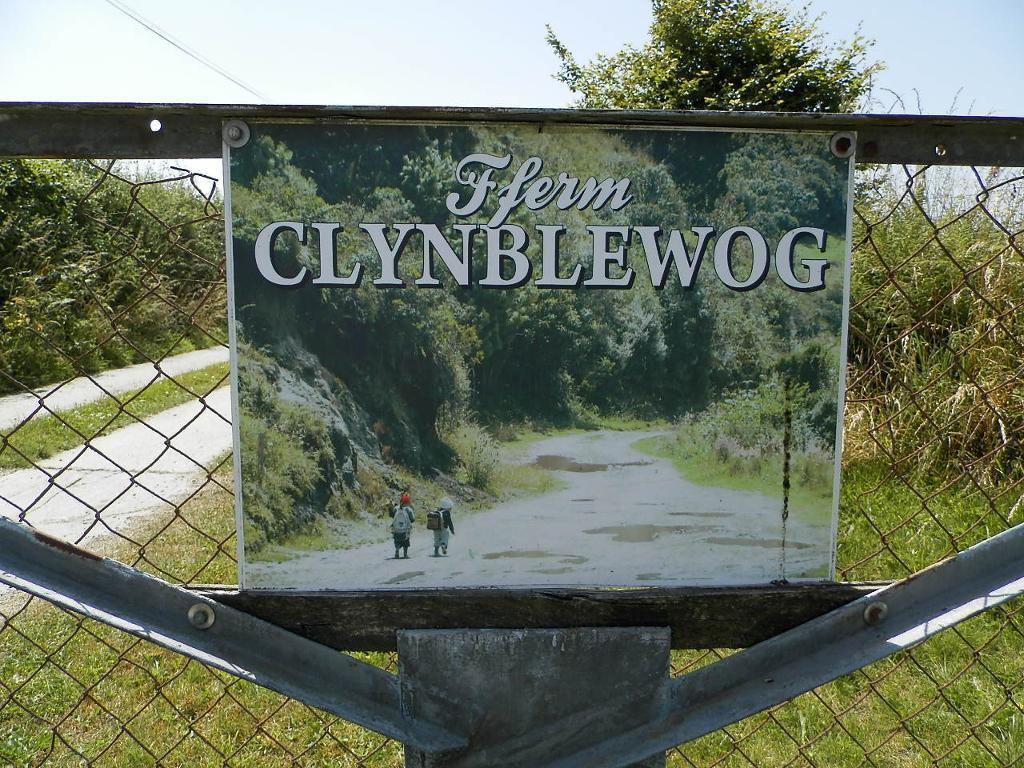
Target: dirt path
pixel 138 470
pixel 86 389
pixel 622 519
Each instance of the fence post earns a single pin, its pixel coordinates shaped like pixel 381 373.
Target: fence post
pixel 510 688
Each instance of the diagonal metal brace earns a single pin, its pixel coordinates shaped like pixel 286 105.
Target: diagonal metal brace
pixel 890 620
pixel 215 634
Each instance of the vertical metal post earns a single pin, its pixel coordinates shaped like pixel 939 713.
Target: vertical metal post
pixel 513 689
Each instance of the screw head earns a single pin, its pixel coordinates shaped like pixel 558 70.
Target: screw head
pixel 234 132
pixel 201 616
pixel 875 613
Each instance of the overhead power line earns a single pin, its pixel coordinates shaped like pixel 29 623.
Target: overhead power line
pixel 188 51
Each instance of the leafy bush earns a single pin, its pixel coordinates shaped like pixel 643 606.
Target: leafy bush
pixel 476 453
pixel 725 55
pixel 752 422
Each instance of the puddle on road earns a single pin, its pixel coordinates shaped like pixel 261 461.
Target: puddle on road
pixel 636 534
pixel 566 464
pixel 516 553
pixel 404 577
pixel 701 514
pixel 571 559
pixel 763 543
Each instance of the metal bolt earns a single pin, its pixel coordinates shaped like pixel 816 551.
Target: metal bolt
pixel 940 150
pixel 234 132
pixel 201 616
pixel 874 613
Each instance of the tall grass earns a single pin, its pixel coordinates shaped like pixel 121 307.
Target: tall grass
pixel 937 332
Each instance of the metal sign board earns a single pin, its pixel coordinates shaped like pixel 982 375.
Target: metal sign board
pixel 510 354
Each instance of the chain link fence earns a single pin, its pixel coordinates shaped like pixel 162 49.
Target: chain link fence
pixel 138 467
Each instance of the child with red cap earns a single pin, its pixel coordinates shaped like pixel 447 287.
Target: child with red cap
pixel 402 518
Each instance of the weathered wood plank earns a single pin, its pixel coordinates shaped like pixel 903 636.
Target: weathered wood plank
pixel 698 618
pixel 193 130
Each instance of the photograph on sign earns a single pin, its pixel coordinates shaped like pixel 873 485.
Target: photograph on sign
pixel 514 355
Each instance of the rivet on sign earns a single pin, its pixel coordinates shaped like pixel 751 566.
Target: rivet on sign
pixel 875 613
pixel 940 150
pixel 201 616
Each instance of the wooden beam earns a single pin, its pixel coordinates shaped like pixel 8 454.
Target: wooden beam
pixel 699 618
pixel 98 130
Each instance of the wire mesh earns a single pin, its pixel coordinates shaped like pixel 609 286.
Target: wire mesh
pixel 138 467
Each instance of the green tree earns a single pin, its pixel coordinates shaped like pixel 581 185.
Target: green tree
pixel 744 55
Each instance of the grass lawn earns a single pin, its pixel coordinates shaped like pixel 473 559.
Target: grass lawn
pixel 124 703
pixel 45 436
pixel 75 689
pixel 953 701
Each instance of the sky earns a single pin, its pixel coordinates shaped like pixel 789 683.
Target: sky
pixel 943 55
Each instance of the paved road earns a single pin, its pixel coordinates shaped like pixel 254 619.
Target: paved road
pixel 622 519
pixel 71 394
pixel 134 471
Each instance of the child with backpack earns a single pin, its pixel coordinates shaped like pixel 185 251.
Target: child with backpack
pixel 440 522
pixel 402 518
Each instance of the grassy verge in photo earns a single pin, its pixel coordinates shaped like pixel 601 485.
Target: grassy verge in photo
pixel 45 436
pixel 517 480
pixel 523 434
pixel 703 464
